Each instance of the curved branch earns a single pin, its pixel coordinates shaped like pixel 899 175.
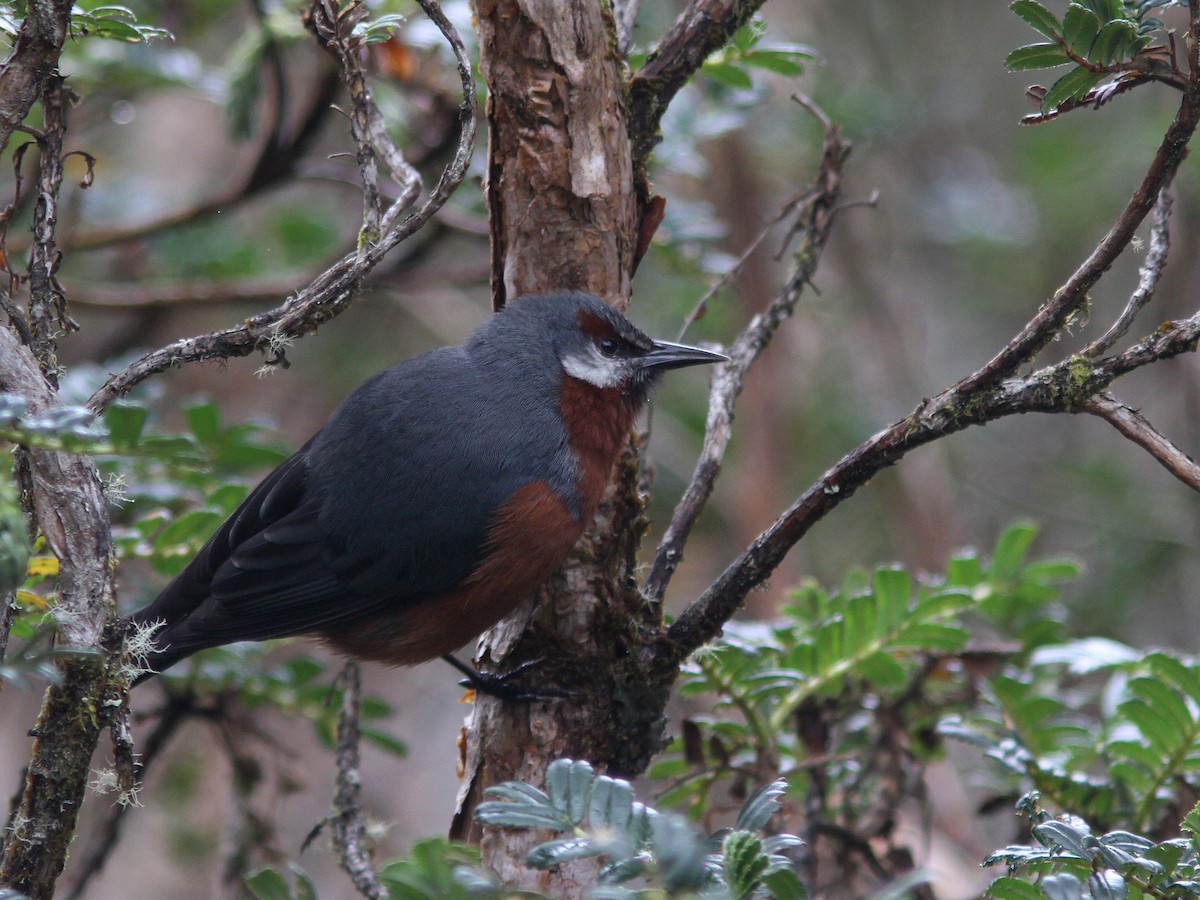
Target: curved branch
pixel 989 393
pixel 705 26
pixel 331 291
pixel 817 209
pixel 1069 299
pixel 1138 429
pixel 1149 274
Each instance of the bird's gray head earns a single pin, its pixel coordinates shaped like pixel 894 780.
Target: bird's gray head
pixel 597 345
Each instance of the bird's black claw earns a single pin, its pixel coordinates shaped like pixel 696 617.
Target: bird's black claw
pixel 501 686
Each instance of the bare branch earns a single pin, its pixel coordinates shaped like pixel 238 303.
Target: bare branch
pixel 625 12
pixel 349 824
pixel 703 27
pixel 818 206
pixel 989 393
pixel 1071 297
pixel 34 56
pixel 331 291
pixel 1148 275
pixel 1068 386
pixel 1138 429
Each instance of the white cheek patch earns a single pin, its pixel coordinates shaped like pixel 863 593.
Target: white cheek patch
pixel 595 369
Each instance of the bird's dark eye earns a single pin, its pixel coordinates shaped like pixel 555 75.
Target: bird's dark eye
pixel 608 347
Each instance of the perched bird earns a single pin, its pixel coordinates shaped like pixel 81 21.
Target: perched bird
pixel 441 493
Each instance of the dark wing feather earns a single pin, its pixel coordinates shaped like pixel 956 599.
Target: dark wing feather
pixel 269 571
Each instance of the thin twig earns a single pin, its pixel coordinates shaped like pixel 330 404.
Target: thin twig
pixel 1138 429
pixel 1148 275
pixel 987 394
pixel 734 271
pixel 107 832
pixel 1068 300
pixel 331 291
pixel 815 221
pixel 625 12
pixel 349 821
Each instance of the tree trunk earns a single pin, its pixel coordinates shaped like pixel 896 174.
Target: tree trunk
pixel 563 215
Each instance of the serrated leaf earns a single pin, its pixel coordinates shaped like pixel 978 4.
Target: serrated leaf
pixel 744 862
pixel 1113 43
pixel 1037 17
pixel 760 806
pixel 1063 836
pixel 1071 86
pixel 1105 10
pixel 1191 824
pixel 1080 27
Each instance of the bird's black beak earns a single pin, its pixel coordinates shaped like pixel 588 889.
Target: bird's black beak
pixel 666 355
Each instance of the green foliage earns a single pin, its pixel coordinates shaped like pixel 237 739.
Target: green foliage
pixel 598 817
pixel 1071 861
pixel 843 664
pixel 117 23
pixel 732 65
pixel 1100 37
pixel 1097 728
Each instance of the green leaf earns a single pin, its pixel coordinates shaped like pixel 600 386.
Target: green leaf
pixel 1107 885
pixel 729 74
pixel 1009 888
pixel 1191 824
pixel 125 422
pixel 784 884
pixel 204 422
pixel 744 862
pixel 1063 886
pixel 1014 543
pixel 1036 56
pixel 1071 86
pixel 553 853
pixel 783 59
pixel 760 806
pixel 1114 42
pixel 1105 10
pixel 268 884
pixel 610 804
pixel 385 741
pixel 1080 27
pixel 569 784
pixel 1037 17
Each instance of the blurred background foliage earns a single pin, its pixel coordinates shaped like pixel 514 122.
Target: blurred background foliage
pixel 219 189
